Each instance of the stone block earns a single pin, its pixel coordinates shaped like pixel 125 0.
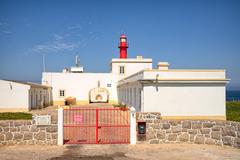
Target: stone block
pixel 13 129
pixel 196 125
pixel 216 135
pixel 176 129
pixel 216 128
pixel 40 136
pixel 192 136
pixel 192 131
pixel 238 134
pixel 161 135
pixel 1 137
pixel 199 139
pixel 156 126
pixel 184 137
pixel 205 130
pixel 221 123
pixel 34 128
pixel 17 136
pixel 8 136
pixel 184 130
pixel 18 123
pixel 28 136
pixel 174 122
pixel 186 124
pixel 52 129
pixel 24 128
pixel 237 143
pixel 207 125
pixel 228 131
pixel 227 140
pixel 1 129
pixel 54 136
pixel 209 141
pixel 154 141
pixel 6 129
pixel 4 123
pixel 172 137
pixel 165 126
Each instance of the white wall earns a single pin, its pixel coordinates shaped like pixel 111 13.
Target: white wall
pixel 13 95
pixel 79 84
pixel 185 99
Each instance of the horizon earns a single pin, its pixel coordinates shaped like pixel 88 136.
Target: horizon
pixel 187 34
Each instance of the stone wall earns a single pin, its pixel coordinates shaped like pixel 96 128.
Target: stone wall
pixel 26 132
pixel 192 131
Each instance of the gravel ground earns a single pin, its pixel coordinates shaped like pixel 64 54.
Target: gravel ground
pixel 120 152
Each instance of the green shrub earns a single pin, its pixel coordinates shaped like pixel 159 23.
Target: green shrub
pixel 233 111
pixel 15 116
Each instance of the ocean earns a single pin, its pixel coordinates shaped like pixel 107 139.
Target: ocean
pixel 233 96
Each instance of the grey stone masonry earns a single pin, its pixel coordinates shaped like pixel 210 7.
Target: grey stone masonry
pixel 211 132
pixel 26 132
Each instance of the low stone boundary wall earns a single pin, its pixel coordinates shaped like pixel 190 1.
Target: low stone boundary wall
pixel 26 132
pixel 192 131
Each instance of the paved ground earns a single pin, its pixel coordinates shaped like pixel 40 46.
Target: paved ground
pixel 120 152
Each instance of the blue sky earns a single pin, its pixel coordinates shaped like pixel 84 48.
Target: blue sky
pixel 192 34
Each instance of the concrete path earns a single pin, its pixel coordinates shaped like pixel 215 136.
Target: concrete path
pixel 120 152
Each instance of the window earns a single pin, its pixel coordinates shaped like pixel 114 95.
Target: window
pixel 61 93
pixel 121 70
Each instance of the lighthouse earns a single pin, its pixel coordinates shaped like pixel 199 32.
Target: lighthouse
pixel 123 45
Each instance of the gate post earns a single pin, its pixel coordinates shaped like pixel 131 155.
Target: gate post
pixel 132 125
pixel 60 126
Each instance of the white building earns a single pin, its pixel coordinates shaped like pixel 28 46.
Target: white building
pixel 190 94
pixel 16 96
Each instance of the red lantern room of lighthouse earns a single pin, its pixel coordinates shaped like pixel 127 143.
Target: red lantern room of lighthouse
pixel 123 45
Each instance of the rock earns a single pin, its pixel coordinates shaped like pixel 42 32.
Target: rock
pixel 192 137
pixel 207 125
pixel 4 123
pixel 18 123
pixel 176 129
pixel 237 143
pixel 28 136
pixel 165 126
pixel 221 123
pixel 52 129
pixel 8 136
pixel 40 136
pixel 186 124
pixel 34 128
pixel 156 126
pixel 1 129
pixel 13 129
pixel 209 141
pixel 24 128
pixel 154 141
pixel 172 137
pixel 227 131
pixel 184 130
pixel 150 134
pixel 54 136
pixel 238 134
pixel 216 128
pixel 17 136
pixel 6 129
pixel 199 139
pixel 216 135
pixel 174 122
pixel 192 131
pixel 1 137
pixel 161 134
pixel 227 141
pixel 196 125
pixel 205 131
pixel 184 137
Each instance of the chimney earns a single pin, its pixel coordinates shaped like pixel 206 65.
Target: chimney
pixel 163 65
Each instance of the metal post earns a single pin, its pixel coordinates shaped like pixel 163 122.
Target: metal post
pixel 60 126
pixel 132 125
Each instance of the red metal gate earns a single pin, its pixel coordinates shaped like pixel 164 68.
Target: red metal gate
pixel 96 126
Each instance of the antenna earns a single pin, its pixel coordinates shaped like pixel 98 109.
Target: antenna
pixel 77 61
pixel 43 62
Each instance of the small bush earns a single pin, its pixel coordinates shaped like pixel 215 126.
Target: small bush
pixel 15 116
pixel 233 111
